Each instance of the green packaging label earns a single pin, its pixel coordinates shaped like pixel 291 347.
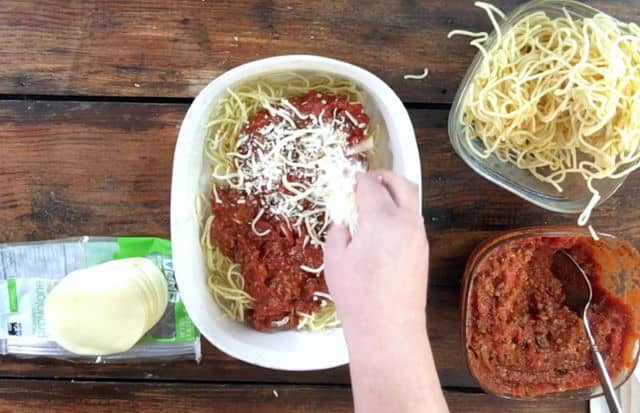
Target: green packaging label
pixel 175 325
pixel 30 270
pixel 12 290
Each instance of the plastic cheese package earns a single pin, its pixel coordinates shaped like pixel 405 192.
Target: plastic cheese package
pixel 30 270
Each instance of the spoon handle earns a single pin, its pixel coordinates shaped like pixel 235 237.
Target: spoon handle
pixel 605 380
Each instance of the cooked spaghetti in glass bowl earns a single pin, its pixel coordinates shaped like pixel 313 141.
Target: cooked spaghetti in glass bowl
pixel 265 161
pixel 549 107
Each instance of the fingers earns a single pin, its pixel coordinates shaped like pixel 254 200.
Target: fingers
pixel 404 192
pixel 371 194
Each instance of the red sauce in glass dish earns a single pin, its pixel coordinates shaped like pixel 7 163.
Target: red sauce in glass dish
pixel 521 338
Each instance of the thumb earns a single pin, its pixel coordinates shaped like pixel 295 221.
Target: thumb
pixel 337 241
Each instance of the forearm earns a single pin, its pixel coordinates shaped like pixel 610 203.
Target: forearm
pixel 395 373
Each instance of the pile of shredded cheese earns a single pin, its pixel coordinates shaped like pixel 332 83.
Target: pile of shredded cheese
pixel 319 159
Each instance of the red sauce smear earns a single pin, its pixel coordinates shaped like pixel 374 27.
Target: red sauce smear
pixel 271 263
pixel 522 340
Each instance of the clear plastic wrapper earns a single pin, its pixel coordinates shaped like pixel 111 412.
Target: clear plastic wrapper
pixel 28 271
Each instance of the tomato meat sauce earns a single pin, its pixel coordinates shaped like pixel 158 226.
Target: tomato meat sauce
pixel 521 338
pixel 271 262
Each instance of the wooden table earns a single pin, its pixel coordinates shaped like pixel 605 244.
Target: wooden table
pixel 93 93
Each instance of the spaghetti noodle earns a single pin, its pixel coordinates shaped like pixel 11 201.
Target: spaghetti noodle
pixel 557 96
pixel 274 146
pixel 421 76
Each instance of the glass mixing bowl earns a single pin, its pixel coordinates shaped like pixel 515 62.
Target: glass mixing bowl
pixel 575 195
pixel 619 274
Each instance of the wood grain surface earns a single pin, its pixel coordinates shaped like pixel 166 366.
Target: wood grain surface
pixel 92 94
pixel 36 396
pixel 103 168
pixel 172 49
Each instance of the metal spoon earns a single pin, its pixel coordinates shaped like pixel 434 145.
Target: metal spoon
pixel 579 294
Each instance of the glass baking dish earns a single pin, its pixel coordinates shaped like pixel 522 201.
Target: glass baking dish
pixel 620 275
pixel 575 195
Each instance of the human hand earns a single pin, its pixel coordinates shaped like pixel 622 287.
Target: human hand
pixel 378 278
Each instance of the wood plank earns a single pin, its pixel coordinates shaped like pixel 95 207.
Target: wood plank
pixel 160 48
pixel 85 168
pixel 26 396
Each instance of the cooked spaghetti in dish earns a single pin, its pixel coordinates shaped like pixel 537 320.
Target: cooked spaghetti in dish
pixel 282 153
pixel 557 95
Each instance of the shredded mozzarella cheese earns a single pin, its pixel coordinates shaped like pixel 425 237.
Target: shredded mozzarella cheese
pixel 302 175
pixel 322 295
